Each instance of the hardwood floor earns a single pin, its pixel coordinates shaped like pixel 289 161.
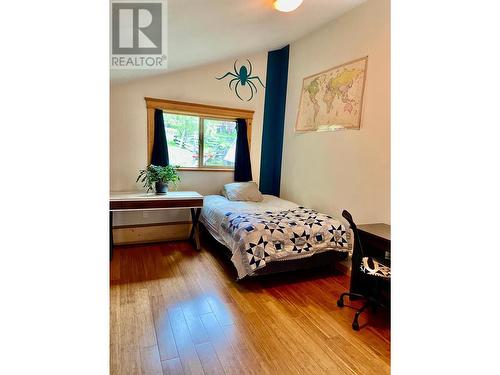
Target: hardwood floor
pixel 177 311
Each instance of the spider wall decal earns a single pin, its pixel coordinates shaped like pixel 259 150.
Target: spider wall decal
pixel 243 76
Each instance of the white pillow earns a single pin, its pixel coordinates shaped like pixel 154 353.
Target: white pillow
pixel 242 191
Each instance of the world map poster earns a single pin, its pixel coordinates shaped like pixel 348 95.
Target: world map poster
pixel 332 100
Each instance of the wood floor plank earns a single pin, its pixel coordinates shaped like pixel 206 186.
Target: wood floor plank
pixel 150 361
pixel 114 268
pixel 143 316
pixel 221 310
pixel 343 351
pixel 114 359
pixel 129 362
pixel 269 347
pixel 185 346
pixel 172 367
pixel 174 311
pixel 196 328
pixel 209 359
pixel 246 350
pixel 114 315
pixel 303 348
pixel 164 335
pixel 128 332
pixel 229 361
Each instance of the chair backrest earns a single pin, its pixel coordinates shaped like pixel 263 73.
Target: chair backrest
pixel 358 247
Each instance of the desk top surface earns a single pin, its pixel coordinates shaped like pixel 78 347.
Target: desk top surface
pixel 143 196
pixel 377 229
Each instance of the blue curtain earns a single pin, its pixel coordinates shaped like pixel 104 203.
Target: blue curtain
pixel 160 148
pixel 274 121
pixel 242 165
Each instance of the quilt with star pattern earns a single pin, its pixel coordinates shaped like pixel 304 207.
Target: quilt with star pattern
pixel 263 237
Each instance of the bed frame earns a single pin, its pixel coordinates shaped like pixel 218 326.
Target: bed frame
pixel 323 259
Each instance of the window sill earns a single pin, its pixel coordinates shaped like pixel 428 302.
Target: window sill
pixel 205 169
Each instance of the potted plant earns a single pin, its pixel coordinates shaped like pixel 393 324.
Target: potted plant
pixel 159 176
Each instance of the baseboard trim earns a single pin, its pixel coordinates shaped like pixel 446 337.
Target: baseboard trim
pixel 150 233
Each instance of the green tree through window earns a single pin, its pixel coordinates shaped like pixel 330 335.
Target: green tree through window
pixel 196 142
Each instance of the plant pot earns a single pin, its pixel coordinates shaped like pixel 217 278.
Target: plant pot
pixel 161 188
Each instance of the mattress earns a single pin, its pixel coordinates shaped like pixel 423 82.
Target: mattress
pixel 275 229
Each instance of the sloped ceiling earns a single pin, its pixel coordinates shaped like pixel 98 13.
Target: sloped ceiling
pixel 206 31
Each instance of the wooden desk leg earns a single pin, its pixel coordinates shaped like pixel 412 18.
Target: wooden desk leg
pixel 110 235
pixel 195 215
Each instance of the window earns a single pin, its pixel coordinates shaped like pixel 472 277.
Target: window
pixel 199 137
pixel 195 141
pixel 219 142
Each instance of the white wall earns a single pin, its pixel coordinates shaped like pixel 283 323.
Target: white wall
pixel 128 127
pixel 328 171
pixel 332 171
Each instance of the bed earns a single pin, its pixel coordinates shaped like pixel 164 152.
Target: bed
pixel 273 235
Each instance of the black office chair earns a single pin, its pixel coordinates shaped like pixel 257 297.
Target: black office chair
pixel 371 268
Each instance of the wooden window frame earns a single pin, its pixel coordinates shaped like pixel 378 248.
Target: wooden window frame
pixel 194 109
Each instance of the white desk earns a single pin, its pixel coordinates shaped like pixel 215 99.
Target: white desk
pixel 131 201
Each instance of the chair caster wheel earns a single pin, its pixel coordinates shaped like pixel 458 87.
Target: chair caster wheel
pixel 355 326
pixel 340 303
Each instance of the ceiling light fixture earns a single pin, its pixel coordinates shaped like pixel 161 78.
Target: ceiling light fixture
pixel 286 5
